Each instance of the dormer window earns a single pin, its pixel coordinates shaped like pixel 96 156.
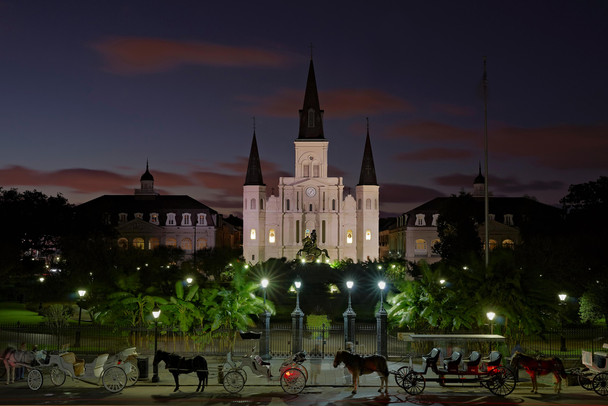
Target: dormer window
pixel 170 219
pixel 491 216
pixel 122 217
pixel 435 217
pixel 154 218
pixel 139 216
pixel 509 219
pixel 420 221
pixel 186 219
pixel 202 219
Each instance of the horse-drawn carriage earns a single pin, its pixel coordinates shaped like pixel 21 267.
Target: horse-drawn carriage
pixel 474 371
pixel 114 373
pixel 595 374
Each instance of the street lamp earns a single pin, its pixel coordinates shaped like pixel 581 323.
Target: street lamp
pixel 490 316
pixel 349 285
pixel 349 319
pixel 81 293
pixel 562 339
pixel 381 285
pixel 156 315
pixel 189 280
pixel 266 316
pixel 298 285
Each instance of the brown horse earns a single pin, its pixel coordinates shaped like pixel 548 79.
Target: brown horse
pixel 358 365
pixel 540 366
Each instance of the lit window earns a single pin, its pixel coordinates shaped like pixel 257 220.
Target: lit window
pixel 153 243
pixel 271 236
pixel 201 244
pixel 368 235
pixel 434 222
pixel 349 237
pixel 493 244
pixel 508 244
pixel 171 242
pixel 139 216
pixel 170 219
pixel 123 243
pixel 186 244
pixel 252 234
pixel 202 219
pixel 420 221
pixel 154 218
pixel 509 219
pixel 186 219
pixel 420 247
pixel 138 243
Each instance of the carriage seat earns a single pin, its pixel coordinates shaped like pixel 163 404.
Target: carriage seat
pixel 599 359
pixel 493 360
pixel 472 361
pixel 452 362
pixel 432 357
pixel 260 361
pixel 77 364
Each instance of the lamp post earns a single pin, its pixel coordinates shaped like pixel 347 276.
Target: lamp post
pixel 297 321
pixel 189 280
pixel 156 315
pixel 381 324
pixel 562 339
pixel 490 316
pixel 81 293
pixel 266 317
pixel 349 319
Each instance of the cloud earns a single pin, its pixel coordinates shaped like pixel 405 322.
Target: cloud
pixel 454 110
pixel 498 184
pixel 342 103
pixel 434 154
pixel 431 131
pixel 561 147
pixel 399 193
pixel 133 55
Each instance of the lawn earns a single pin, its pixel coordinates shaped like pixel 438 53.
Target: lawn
pixel 11 312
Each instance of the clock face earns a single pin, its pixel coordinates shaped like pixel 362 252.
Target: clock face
pixel 311 191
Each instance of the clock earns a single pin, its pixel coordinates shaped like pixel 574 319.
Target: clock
pixel 311 192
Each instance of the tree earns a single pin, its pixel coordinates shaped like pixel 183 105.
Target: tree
pixel 594 303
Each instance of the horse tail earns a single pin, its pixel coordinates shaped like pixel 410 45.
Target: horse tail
pixel 560 368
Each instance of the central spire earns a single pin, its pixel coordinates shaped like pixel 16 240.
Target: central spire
pixel 311 115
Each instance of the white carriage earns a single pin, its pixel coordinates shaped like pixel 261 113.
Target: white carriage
pixel 595 374
pixel 113 373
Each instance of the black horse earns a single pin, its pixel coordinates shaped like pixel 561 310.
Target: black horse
pixel 177 364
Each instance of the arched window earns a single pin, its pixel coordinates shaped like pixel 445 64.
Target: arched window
pixel 368 235
pixel 201 244
pixel 153 243
pixel 252 206
pixel 420 247
pixel 333 204
pixel 287 204
pixel 493 244
pixel 261 204
pixel 271 236
pixel 186 219
pixel 349 237
pixel 123 243
pixel 138 243
pixel 359 204
pixel 186 244
pixel 368 204
pixel 171 242
pixel 508 244
pixel 252 234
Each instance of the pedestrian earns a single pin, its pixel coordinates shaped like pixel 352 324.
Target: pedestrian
pixel 20 371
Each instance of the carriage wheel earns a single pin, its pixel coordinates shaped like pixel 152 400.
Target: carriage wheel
pixel 502 381
pixel 133 374
pixel 304 370
pixel 585 381
pixel 414 383
pixel 233 381
pixel 57 376
pixel 400 376
pixel 114 379
pixel 293 381
pixel 34 379
pixel 600 384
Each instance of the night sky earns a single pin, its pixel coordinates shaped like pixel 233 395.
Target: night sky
pixel 90 90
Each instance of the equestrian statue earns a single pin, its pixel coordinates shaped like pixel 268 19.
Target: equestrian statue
pixel 310 252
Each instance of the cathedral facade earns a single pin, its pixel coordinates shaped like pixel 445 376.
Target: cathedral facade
pixel 311 204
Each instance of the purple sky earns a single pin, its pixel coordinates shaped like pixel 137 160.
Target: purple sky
pixel 89 90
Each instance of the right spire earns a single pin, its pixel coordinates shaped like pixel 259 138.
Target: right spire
pixel 368 170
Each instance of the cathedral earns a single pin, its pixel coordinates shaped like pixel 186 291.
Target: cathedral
pixel 311 204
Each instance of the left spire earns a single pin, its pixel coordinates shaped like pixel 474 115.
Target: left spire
pixel 254 169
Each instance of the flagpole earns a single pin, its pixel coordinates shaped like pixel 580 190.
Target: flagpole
pixel 485 138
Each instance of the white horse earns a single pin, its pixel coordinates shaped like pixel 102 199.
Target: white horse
pixel 11 357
